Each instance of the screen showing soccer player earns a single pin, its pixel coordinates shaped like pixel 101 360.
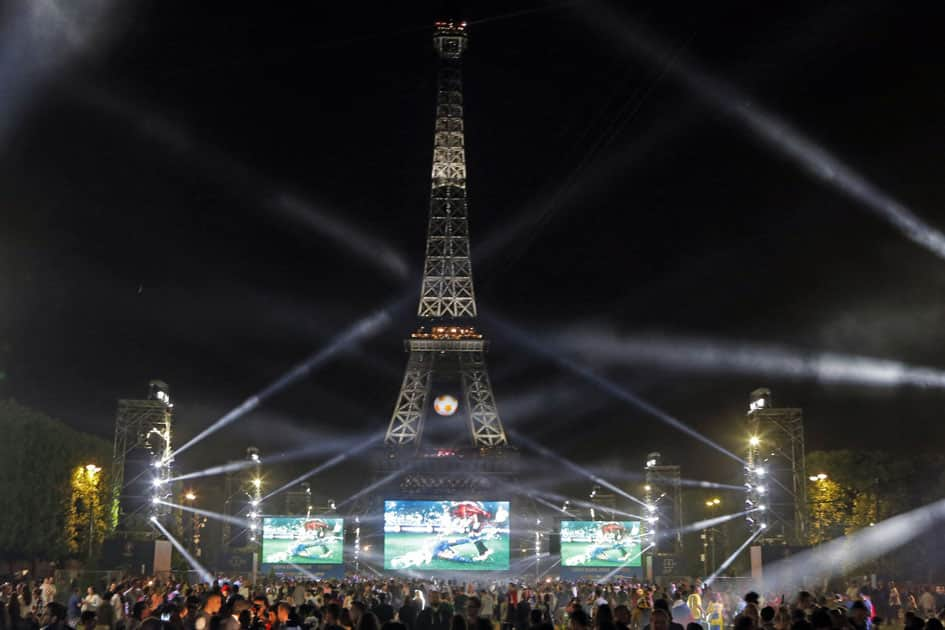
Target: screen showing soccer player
pixel 600 544
pixel 446 535
pixel 303 540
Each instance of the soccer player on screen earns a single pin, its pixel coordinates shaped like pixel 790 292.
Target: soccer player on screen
pixel 314 533
pixel 469 518
pixel 609 537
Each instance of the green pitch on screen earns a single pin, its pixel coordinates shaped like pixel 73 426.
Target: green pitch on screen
pixel 303 540
pixel 600 544
pixel 398 544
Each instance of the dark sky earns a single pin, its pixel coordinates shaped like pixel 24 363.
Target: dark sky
pixel 143 237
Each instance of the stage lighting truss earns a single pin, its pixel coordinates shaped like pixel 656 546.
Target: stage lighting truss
pixel 775 475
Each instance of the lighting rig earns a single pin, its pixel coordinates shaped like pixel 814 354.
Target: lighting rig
pixel 254 492
pixel 158 440
pixel 775 473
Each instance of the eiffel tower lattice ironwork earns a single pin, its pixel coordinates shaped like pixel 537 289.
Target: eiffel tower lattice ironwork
pixel 447 355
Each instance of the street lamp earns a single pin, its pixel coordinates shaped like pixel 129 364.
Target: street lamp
pixel 92 471
pixel 818 477
pixel 708 538
pixel 754 440
pixel 190 496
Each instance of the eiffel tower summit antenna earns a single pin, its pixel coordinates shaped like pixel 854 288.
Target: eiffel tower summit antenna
pixel 446 391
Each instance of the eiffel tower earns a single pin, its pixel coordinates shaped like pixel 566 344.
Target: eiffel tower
pixel 446 409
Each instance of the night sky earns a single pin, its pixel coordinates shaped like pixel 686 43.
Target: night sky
pixel 207 197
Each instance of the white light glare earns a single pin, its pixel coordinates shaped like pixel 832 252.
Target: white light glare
pixel 254 503
pixel 762 507
pixel 780 135
pixel 155 500
pixel 157 482
pixel 761 489
pixel 760 471
pixel 650 508
pixel 737 357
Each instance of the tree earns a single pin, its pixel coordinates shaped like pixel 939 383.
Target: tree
pixel 38 457
pixel 87 514
pixel 858 489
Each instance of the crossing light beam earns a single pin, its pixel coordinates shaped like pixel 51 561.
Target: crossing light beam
pixel 772 130
pixel 360 330
pixel 205 575
pixel 719 356
pixel 542 348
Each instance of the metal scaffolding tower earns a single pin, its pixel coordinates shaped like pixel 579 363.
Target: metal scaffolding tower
pixel 602 504
pixel 447 355
pixel 141 458
pixel 243 494
pixel 775 473
pixel 663 497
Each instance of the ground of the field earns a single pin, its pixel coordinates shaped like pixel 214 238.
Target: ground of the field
pixel 571 551
pixel 274 550
pixel 398 544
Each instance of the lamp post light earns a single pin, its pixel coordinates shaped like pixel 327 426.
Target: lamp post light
pixel 708 537
pixel 92 471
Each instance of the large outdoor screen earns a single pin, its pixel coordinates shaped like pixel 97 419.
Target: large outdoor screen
pixel 600 543
pixel 446 535
pixel 302 540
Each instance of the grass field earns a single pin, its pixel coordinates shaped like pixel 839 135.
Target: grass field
pixel 570 550
pixel 398 544
pixel 273 549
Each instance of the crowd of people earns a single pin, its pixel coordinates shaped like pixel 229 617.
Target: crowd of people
pixel 287 604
